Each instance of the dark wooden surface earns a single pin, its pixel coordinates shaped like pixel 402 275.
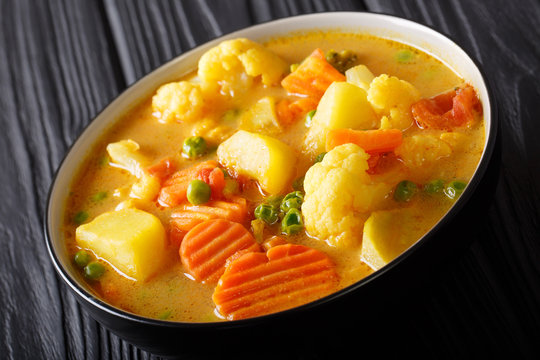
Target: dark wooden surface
pixel 61 61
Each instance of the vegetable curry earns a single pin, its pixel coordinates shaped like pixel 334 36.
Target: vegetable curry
pixel 271 176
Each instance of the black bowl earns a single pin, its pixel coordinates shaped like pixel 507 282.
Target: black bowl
pixel 340 314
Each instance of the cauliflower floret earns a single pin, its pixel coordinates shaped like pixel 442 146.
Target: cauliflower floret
pixel 393 97
pixel 180 101
pixel 339 196
pixel 234 63
pixel 125 155
pixel 422 151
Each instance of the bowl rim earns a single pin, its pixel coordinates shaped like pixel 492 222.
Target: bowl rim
pixel 94 301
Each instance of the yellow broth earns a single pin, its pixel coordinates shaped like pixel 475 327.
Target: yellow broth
pixel 171 294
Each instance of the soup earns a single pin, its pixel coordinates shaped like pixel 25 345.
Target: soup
pixel 271 176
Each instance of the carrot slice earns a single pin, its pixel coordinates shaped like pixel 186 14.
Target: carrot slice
pixel 288 112
pixel 188 216
pixel 372 141
pixel 273 241
pixel 163 169
pixel 312 77
pixel 206 248
pixel 286 276
pixel 174 189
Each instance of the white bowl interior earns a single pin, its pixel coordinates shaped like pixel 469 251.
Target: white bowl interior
pixel 385 26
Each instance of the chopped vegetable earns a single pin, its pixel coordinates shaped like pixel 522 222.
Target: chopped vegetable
pixel 187 216
pixel 342 60
pixel 227 65
pixel 404 56
pixel 99 196
pixel 292 200
pixel 80 217
pixel 194 147
pixel 125 155
pixel 454 189
pixel 312 77
pixel 274 241
pixel 371 141
pixel 261 117
pixel 146 188
pixel 179 101
pixel 405 190
pixel 292 222
pixel 264 158
pixel 82 258
pixel 288 112
pixel 360 76
pixel 286 276
pixel 447 111
pixel 274 201
pixel 94 270
pixel 266 213
pixel 339 195
pixel 257 227
pixel 162 169
pixel 434 187
pixel 206 248
pixel 343 106
pixel 198 192
pixel 132 240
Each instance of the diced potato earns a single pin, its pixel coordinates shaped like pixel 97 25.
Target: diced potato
pixel 125 155
pixel 343 105
pixel 261 117
pixel 147 188
pixel 387 234
pixel 264 158
pixel 360 76
pixel 132 240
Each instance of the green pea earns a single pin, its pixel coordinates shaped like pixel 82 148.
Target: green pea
pixel 454 189
pixel 94 270
pixel 292 201
pixel 274 201
pixel 405 190
pixel 434 187
pixel 165 315
pixel 194 147
pixel 266 213
pixel 82 258
pixel 292 222
pixel 320 157
pixel 80 217
pixel 309 117
pixel 198 192
pixel 99 196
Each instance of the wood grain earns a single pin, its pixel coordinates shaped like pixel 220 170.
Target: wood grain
pixel 61 61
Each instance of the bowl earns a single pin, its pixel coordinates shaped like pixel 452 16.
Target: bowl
pixel 408 270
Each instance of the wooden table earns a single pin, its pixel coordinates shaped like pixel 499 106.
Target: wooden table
pixel 61 61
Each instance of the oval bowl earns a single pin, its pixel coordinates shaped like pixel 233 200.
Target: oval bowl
pixel 408 270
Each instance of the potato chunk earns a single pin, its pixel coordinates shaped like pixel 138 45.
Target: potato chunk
pixel 261 117
pixel 387 234
pixel 343 105
pixel 131 240
pixel 264 158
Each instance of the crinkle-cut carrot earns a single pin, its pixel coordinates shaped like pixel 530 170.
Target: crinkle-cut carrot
pixel 446 111
pixel 174 194
pixel 312 77
pixel 273 241
pixel 162 169
pixel 288 112
pixel 206 248
pixel 187 216
pixel 286 276
pixel 372 141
